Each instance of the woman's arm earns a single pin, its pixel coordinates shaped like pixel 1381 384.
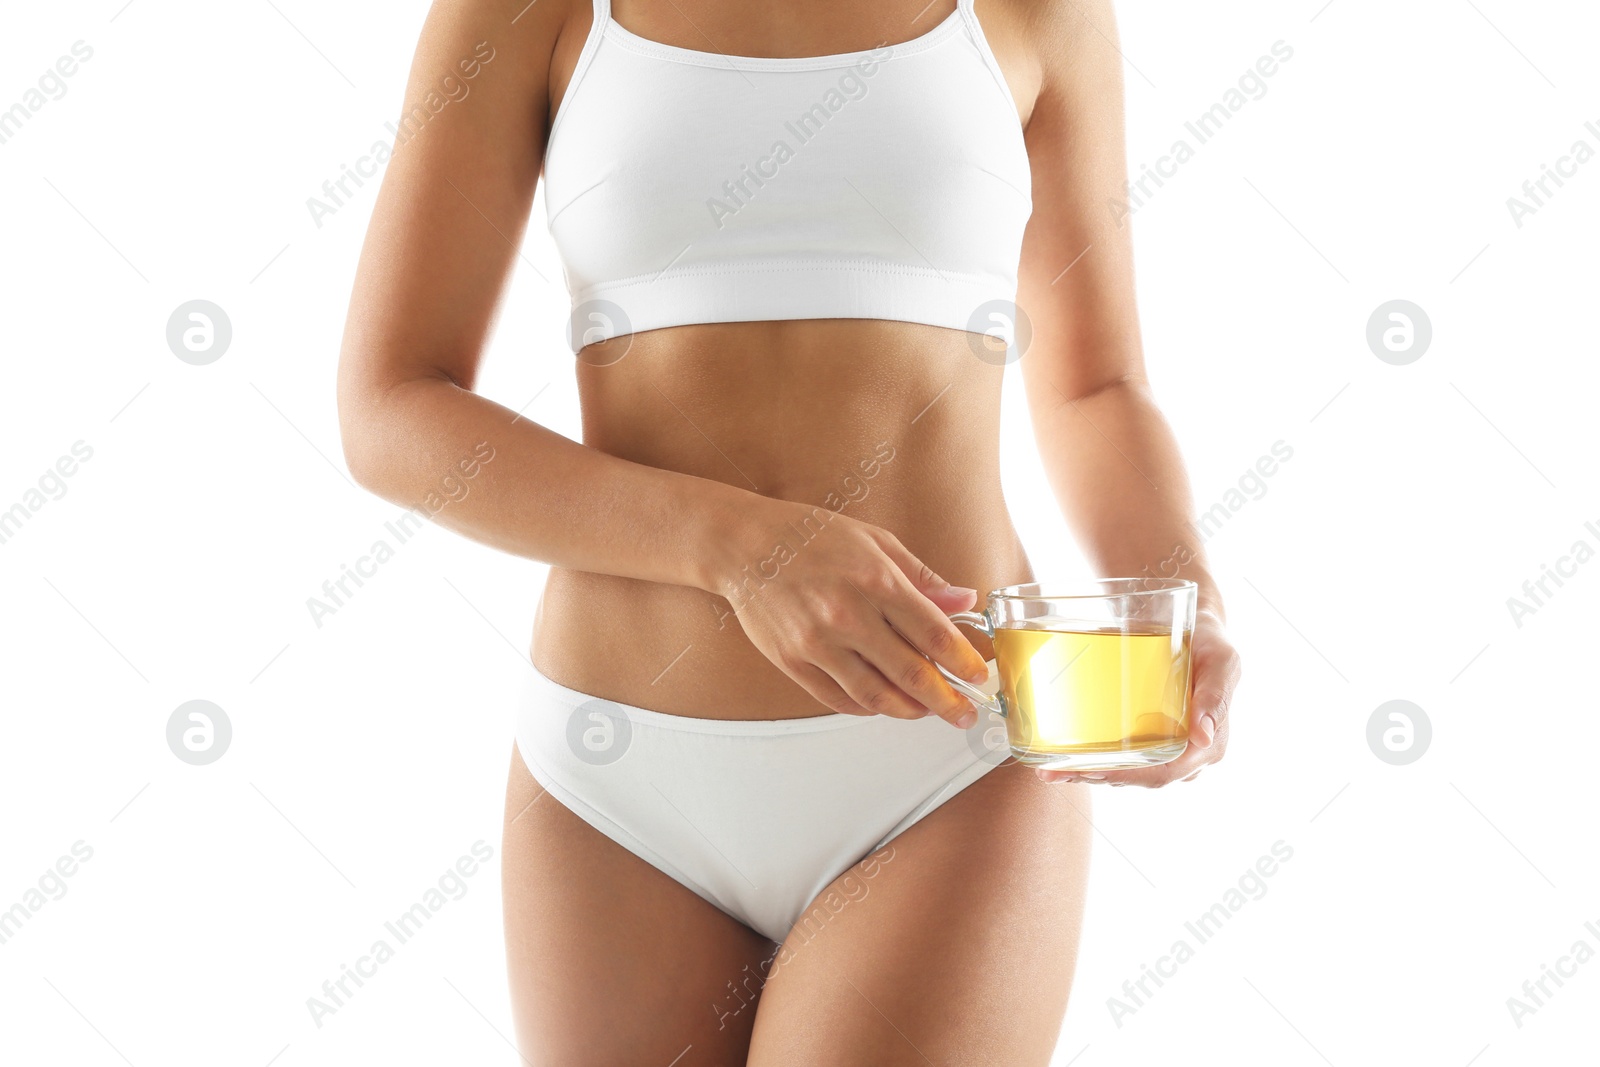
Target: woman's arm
pixel 855 615
pixel 442 242
pixel 1109 454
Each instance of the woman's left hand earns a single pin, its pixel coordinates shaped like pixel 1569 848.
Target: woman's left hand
pixel 1216 673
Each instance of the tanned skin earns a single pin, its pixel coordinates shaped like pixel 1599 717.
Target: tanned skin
pixel 703 446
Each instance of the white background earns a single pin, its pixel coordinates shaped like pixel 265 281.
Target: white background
pixel 370 753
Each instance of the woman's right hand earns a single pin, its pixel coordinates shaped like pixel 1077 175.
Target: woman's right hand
pixel 852 616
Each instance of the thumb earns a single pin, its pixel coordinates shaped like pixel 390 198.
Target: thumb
pixel 931 585
pixel 949 597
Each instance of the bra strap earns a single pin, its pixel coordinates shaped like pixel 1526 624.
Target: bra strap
pixel 597 29
pixel 981 41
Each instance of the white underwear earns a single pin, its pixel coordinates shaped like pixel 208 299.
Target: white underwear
pixel 756 816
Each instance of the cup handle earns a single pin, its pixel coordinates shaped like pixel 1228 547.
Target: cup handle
pixel 979 621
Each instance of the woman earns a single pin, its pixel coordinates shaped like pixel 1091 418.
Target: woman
pixel 770 835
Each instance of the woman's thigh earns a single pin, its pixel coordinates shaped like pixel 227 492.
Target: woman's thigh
pixel 957 948
pixel 611 961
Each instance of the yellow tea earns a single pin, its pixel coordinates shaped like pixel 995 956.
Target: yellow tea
pixel 1075 697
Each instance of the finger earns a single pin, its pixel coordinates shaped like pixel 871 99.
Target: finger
pixel 907 605
pixel 1054 777
pixel 1153 777
pixel 1088 777
pixel 1217 673
pixel 868 687
pixel 828 693
pixel 887 650
pixel 923 577
pixel 951 598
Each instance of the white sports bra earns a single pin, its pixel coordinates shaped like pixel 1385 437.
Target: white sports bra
pixel 692 187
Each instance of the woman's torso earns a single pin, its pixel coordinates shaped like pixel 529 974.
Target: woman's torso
pixel 898 422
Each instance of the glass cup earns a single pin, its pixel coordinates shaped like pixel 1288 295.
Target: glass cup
pixel 1094 674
